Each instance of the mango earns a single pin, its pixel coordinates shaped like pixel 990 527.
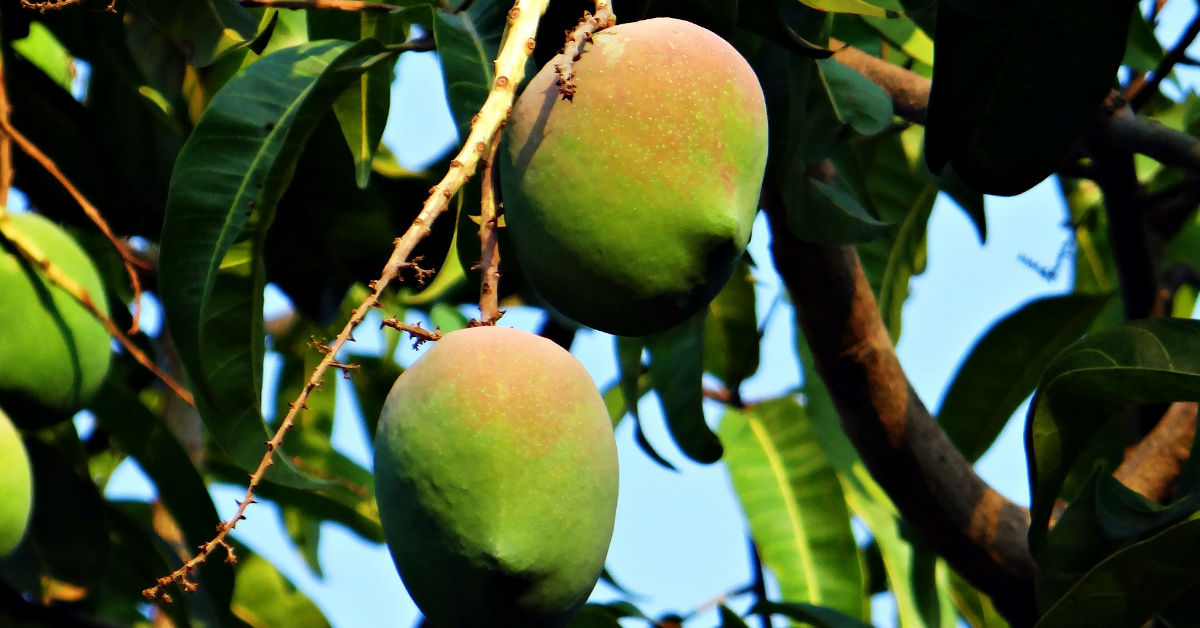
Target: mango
pixel 55 354
pixel 630 203
pixel 496 479
pixel 16 485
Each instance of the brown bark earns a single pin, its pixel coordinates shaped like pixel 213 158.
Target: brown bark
pixel 1154 464
pixel 978 531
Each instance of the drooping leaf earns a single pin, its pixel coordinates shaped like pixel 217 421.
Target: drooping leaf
pixel 876 8
pixel 178 483
pixel 1004 367
pixel 1104 516
pixel 900 193
pixel 362 109
pixel 730 619
pixel 1094 380
pixel 1142 50
pixel 731 331
pixel 908 577
pixel 467 42
pixel 817 616
pixel 794 504
pixel 1132 585
pixel 676 369
pixel 998 112
pixel 826 213
pixel 227 181
pixel 604 615
pixel 857 101
pixel 203 30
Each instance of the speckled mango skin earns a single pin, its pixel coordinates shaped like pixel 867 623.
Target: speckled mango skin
pixel 629 204
pixel 16 486
pixel 54 353
pixel 496 479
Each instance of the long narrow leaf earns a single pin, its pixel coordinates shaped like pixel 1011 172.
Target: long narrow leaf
pixel 227 181
pixel 794 505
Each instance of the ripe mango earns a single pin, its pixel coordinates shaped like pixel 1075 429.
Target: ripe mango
pixel 630 203
pixel 496 479
pixel 16 485
pixel 55 354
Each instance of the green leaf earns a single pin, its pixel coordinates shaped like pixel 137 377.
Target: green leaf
pixel 227 181
pixel 676 370
pixel 909 579
pixel 1102 517
pixel 139 433
pixel 976 608
pixel 828 214
pixel 1094 380
pixel 730 619
pixel 1129 587
pixel 731 331
pixel 998 112
pixel 817 616
pixel 264 597
pixel 604 615
pixel 1142 50
pixel 202 30
pixel 906 35
pixel 362 109
pixel 857 101
pixel 467 43
pixel 876 8
pixel 794 504
pixel 1004 367
pixel 901 194
pixel 43 50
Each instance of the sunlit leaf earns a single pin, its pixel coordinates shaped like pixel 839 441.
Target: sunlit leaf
pixel 203 30
pixel 731 331
pixel 877 8
pixel 794 504
pixel 467 42
pixel 264 597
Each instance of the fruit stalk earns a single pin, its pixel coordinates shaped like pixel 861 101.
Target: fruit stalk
pixel 510 66
pixel 489 256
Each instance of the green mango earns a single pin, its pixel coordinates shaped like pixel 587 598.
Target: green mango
pixel 630 204
pixel 16 485
pixel 496 479
pixel 55 354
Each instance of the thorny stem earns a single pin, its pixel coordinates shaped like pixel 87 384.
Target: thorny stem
pixel 128 258
pixel 339 5
pixel 489 257
pixel 564 66
pixel 54 5
pixel 510 68
pixel 32 252
pixel 419 334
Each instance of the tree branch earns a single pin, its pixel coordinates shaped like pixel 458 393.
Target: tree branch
pixel 909 90
pixel 980 533
pixel 338 5
pixel 1154 464
pixel 1176 55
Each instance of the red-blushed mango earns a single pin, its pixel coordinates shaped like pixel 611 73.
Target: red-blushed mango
pixel 496 479
pixel 54 353
pixel 630 203
pixel 16 486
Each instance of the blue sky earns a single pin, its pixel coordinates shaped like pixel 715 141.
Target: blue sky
pixel 680 537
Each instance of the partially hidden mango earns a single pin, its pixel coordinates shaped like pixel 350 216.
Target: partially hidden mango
pixel 16 486
pixel 630 203
pixel 54 353
pixel 496 479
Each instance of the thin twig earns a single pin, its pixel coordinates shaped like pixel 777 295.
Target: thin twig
pixel 419 334
pixel 564 65
pixel 338 5
pixel 128 257
pixel 510 69
pixel 33 253
pixel 6 170
pixel 489 257
pixel 54 5
pixel 1178 53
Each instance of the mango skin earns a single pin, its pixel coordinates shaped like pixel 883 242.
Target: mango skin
pixel 16 485
pixel 496 479
pixel 630 204
pixel 55 353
